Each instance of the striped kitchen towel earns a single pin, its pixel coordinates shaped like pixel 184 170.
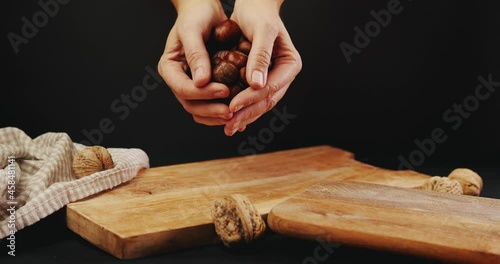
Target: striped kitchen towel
pixel 37 179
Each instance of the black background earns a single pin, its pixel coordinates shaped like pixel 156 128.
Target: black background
pixel 395 91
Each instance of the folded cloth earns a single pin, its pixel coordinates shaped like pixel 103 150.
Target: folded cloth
pixel 37 178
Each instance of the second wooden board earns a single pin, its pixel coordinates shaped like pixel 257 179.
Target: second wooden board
pixel 441 226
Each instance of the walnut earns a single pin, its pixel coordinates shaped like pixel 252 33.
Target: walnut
pixel 236 220
pixel 471 182
pixel 459 181
pixel 442 184
pixel 91 160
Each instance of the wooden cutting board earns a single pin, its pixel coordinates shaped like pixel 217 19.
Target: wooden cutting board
pixel 164 209
pixel 440 226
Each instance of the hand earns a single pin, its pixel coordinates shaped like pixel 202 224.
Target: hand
pixel 261 24
pixel 185 47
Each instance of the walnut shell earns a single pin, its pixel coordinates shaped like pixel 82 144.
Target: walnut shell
pixel 471 182
pixel 91 160
pixel 442 184
pixel 447 185
pixel 236 220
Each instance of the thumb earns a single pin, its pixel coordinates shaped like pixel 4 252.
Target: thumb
pixel 197 57
pixel 260 58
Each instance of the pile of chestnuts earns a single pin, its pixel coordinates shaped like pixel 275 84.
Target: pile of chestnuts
pixel 228 49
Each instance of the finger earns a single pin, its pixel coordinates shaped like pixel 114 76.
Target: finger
pixel 209 121
pixel 183 87
pixel 282 75
pixel 253 112
pixel 244 117
pixel 196 54
pixel 232 132
pixel 260 57
pixel 247 97
pixel 206 109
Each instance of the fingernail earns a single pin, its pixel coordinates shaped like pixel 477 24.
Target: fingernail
pixel 219 94
pixel 227 116
pixel 234 131
pixel 198 73
pixel 238 108
pixel 258 77
pixel 236 125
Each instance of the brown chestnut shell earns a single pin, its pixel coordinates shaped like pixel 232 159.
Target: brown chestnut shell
pixel 225 72
pixel 227 34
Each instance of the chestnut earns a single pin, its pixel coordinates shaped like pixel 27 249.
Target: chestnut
pixel 225 72
pixel 235 57
pixel 234 90
pixel 228 49
pixel 227 34
pixel 243 76
pixel 229 55
pixel 244 46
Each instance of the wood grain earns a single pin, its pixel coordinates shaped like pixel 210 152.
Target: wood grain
pixel 440 226
pixel 164 209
